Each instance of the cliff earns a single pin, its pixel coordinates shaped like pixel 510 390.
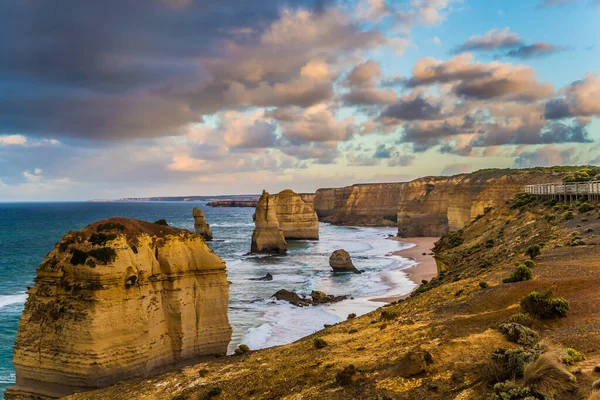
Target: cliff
pixel 443 341
pixel 267 236
pixel 232 203
pixel 363 204
pixel 432 206
pixel 200 225
pixel 297 219
pixel 119 299
pixel 308 198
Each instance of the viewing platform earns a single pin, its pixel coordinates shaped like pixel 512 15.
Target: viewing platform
pixel 567 191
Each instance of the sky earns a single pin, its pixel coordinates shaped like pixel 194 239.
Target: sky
pixel 134 98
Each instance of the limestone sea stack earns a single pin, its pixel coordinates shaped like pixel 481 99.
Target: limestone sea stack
pixel 200 225
pixel 119 299
pixel 340 261
pixel 297 219
pixel 267 236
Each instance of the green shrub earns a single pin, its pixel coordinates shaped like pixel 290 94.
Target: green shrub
pixel 568 215
pixel 542 305
pixel 519 334
pixel 454 239
pixel 110 227
pixel 550 217
pixel 344 377
pixel 521 200
pixel 533 251
pixel 585 207
pixel 78 257
pixel 214 392
pixel 572 356
pixel 509 390
pixel 584 220
pixel 489 243
pixel 487 209
pixel 577 241
pixel 483 285
pixel 521 318
pixel 104 254
pixel 351 316
pixel 99 239
pixel 509 364
pixel 589 230
pixel 242 349
pixel 529 263
pixel 520 274
pixel 388 315
pixel 319 343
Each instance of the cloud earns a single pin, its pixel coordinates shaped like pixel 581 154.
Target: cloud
pixel 362 81
pixel 534 50
pixel 437 41
pixel 580 99
pixel 549 155
pixel 492 40
pixel 382 151
pixel 551 3
pixel 20 140
pixel 418 108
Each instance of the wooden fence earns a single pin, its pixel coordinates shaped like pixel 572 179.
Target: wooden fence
pixel 566 191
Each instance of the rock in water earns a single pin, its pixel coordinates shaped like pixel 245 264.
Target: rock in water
pixel 297 219
pixel 267 277
pixel 267 236
pixel 119 299
pixel 200 225
pixel 340 261
pixel 162 222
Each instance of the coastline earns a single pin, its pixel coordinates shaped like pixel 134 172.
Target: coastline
pixel 425 267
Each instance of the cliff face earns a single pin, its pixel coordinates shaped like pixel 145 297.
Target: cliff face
pixel 308 198
pixel 119 299
pixel 232 203
pixel 365 204
pixel 296 219
pixel 432 206
pixel 267 236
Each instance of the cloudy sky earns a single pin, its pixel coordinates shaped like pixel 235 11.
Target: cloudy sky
pixel 128 98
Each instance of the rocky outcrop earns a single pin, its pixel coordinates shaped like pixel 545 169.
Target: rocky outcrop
pixel 200 225
pixel 267 236
pixel 297 219
pixel 364 204
pixel 432 206
pixel 267 277
pixel 316 298
pixel 340 261
pixel 233 203
pixel 119 299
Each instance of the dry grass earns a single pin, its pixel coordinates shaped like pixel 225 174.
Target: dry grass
pixel 548 375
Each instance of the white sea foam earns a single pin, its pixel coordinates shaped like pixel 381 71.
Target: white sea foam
pixel 12 299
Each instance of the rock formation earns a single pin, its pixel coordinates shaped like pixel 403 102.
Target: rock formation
pixel 297 219
pixel 267 236
pixel 267 277
pixel 340 261
pixel 200 225
pixel 365 204
pixel 316 298
pixel 119 299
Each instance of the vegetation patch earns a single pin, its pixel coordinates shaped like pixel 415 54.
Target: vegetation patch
pixel 520 274
pixel 105 254
pixel 345 376
pixel 110 226
pixel 319 343
pixel 521 318
pixel 568 215
pixel 388 315
pixel 572 357
pixel 533 251
pixel 521 200
pixel 242 349
pixel 542 305
pixel 99 239
pixel 509 364
pixel 78 257
pixel 519 334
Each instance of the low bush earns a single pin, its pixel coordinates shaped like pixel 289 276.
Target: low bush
pixel 319 343
pixel 242 349
pixel 520 274
pixel 521 318
pixel 344 377
pixel 550 217
pixel 78 257
pixel 533 251
pixel 521 200
pixel 454 239
pixel 548 377
pixel 542 305
pixel 596 385
pixel 214 392
pixel 568 215
pixel 388 315
pixel 529 264
pixel 572 357
pixel 509 364
pixel 104 254
pixel 99 239
pixel 577 241
pixel 509 390
pixel 597 369
pixel 351 316
pixel 585 207
pixel 483 285
pixel 489 243
pixel 519 334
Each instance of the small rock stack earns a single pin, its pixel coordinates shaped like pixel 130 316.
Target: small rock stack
pixel 340 261
pixel 267 236
pixel 200 225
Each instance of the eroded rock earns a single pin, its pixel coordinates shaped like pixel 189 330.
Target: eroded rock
pixel 413 363
pixel 297 219
pixel 340 261
pixel 200 225
pixel 119 299
pixel 267 236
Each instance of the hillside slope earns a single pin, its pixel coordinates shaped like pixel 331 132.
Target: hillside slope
pixel 439 343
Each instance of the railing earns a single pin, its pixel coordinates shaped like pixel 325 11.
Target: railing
pixel 565 189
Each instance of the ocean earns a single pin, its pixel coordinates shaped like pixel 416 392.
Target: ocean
pixel 28 231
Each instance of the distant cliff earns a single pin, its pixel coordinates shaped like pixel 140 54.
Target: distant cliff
pixel 297 219
pixel 119 299
pixel 432 206
pixel 233 203
pixel 363 204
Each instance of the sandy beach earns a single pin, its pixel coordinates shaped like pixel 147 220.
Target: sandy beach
pixel 425 269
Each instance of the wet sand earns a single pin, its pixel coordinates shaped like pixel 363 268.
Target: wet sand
pixel 425 269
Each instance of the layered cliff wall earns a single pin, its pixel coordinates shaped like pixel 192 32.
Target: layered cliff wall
pixel 121 298
pixel 267 236
pixel 362 204
pixel 432 206
pixel 297 219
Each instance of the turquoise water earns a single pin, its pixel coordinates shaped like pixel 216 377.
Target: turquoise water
pixel 28 231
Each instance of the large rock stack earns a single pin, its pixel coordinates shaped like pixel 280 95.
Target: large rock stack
pixel 267 236
pixel 200 225
pixel 119 299
pixel 297 219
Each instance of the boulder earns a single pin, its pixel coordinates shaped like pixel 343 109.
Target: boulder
pixel 200 225
pixel 119 299
pixel 267 236
pixel 290 297
pixel 340 261
pixel 267 277
pixel 297 219
pixel 162 222
pixel 323 298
